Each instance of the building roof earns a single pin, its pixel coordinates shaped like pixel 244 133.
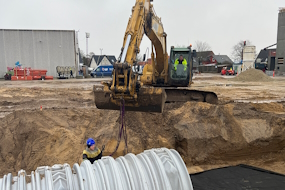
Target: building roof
pixel 99 58
pixel 204 54
pixel 222 59
pixel 112 59
pixel 263 55
pixel 43 30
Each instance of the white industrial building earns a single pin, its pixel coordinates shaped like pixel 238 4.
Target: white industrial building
pixel 38 49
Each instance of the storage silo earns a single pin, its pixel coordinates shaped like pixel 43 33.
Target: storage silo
pixel 280 52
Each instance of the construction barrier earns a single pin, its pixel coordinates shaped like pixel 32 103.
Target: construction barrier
pixel 21 78
pixel 156 169
pixel 48 77
pixel 30 74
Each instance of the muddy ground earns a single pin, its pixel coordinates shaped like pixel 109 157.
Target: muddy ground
pixel 247 127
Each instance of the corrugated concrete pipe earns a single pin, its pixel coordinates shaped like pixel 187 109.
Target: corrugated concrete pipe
pixel 151 170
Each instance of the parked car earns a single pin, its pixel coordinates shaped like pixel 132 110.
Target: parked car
pixel 102 71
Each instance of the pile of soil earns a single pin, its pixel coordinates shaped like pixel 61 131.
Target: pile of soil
pixel 203 134
pixel 253 75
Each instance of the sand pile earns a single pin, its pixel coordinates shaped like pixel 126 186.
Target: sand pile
pixel 253 75
pixel 203 134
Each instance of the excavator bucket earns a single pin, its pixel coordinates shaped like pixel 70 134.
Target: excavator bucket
pixel 149 99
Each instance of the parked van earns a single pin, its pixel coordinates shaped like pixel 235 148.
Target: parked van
pixel 103 71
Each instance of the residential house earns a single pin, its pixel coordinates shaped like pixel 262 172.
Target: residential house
pixel 208 62
pixel 203 57
pixel 221 60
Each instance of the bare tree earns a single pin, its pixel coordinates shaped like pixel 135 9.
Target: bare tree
pixel 202 46
pixel 91 54
pixel 85 60
pixel 237 50
pixel 82 53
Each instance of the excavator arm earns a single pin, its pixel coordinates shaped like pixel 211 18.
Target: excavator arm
pixel 125 85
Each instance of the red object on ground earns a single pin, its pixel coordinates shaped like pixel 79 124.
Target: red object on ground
pixel 30 74
pixel 37 77
pixel 21 78
pixel 43 72
pixel 227 72
pixel 14 78
pixel 48 77
pixel 29 77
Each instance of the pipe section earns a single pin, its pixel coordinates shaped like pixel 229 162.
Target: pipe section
pixel 156 169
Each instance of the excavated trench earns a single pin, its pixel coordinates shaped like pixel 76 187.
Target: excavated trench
pixel 206 136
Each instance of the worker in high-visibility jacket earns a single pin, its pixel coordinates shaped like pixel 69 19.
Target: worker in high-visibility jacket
pixel 91 153
pixel 182 61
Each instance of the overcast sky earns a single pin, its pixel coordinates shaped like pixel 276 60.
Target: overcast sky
pixel 221 23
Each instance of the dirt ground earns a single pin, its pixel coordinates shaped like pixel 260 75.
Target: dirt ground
pixel 247 127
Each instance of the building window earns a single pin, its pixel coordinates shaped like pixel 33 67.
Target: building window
pixel 280 60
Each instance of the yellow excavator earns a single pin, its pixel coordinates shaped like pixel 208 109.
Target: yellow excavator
pixel 161 81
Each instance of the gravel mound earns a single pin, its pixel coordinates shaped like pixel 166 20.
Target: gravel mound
pixel 253 75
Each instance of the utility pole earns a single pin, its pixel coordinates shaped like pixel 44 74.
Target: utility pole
pixel 87 36
pixel 101 49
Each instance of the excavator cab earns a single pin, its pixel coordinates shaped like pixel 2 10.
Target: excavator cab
pixel 180 76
